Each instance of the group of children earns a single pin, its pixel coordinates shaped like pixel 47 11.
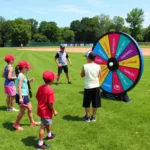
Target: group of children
pixel 45 94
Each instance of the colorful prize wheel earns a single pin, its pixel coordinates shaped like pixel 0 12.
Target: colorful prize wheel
pixel 121 62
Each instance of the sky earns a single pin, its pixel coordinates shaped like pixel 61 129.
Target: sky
pixel 63 12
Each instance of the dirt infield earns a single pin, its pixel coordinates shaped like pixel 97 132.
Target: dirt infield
pixel 146 51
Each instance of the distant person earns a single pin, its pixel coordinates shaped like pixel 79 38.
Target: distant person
pixel 9 84
pixel 46 99
pixel 61 60
pixel 21 45
pixel 91 74
pixel 22 94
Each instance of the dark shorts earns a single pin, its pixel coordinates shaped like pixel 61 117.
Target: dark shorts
pixel 92 95
pixel 25 99
pixel 46 122
pixel 65 68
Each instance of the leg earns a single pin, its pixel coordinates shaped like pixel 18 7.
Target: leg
pixel 42 131
pixel 67 76
pixel 94 112
pixel 67 73
pixel 59 73
pixel 87 112
pixel 20 115
pixel 29 107
pixel 8 102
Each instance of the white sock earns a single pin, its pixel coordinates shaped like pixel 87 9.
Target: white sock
pixel 40 143
pixel 49 134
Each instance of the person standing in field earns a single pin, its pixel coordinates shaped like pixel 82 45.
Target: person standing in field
pixel 21 45
pixel 46 99
pixel 9 84
pixel 61 60
pixel 91 74
pixel 22 94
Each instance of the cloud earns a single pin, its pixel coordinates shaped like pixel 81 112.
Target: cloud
pixel 72 9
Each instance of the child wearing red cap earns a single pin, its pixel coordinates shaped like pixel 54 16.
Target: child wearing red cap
pixel 45 98
pixel 22 94
pixel 9 84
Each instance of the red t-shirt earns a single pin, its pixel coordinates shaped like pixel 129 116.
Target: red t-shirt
pixel 45 95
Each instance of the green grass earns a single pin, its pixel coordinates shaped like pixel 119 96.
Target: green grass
pixel 119 126
pixel 145 46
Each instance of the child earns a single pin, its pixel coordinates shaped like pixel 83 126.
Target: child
pixel 22 94
pixel 91 74
pixel 45 98
pixel 9 84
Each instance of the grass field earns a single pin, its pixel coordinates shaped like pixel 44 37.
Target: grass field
pixel 119 126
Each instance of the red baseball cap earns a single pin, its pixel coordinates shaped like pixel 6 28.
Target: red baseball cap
pixel 9 58
pixel 49 75
pixel 25 64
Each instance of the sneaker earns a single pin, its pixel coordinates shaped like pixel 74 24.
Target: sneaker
pixel 14 109
pixel 93 118
pixel 17 126
pixel 8 109
pixel 85 118
pixel 44 146
pixel 51 137
pixel 69 83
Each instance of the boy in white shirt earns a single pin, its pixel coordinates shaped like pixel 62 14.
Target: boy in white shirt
pixel 91 74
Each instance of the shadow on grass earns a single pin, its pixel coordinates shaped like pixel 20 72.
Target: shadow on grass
pixel 81 92
pixel 9 126
pixel 3 108
pixel 30 141
pixel 72 118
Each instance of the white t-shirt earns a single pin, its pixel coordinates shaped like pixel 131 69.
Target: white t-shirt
pixel 91 79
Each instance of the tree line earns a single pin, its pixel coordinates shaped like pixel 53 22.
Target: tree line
pixel 85 30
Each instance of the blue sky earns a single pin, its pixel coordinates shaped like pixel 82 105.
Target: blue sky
pixel 64 11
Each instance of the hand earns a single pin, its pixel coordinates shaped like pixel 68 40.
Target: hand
pixel 31 80
pixel 59 65
pixel 21 100
pixel 70 63
pixel 55 113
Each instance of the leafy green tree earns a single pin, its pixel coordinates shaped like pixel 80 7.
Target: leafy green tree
pixel 34 28
pixel 146 34
pixel 39 38
pixel 50 30
pixel 21 31
pixel 68 35
pixel 118 23
pixel 135 19
pixel 75 26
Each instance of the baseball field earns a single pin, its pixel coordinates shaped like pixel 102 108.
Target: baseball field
pixel 119 125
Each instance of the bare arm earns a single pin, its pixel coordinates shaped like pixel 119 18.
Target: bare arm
pixel 51 106
pixel 69 61
pixel 56 61
pixel 10 70
pixel 82 73
pixel 19 88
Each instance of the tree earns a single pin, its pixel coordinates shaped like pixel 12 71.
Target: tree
pixel 34 28
pixel 21 31
pixel 50 30
pixel 106 24
pixel 118 23
pixel 5 31
pixel 68 35
pixel 75 26
pixel 39 38
pixel 135 19
pixel 146 34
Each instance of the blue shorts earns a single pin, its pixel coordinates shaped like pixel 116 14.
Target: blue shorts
pixel 25 99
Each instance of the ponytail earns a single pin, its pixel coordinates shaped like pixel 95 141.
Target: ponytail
pixel 17 70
